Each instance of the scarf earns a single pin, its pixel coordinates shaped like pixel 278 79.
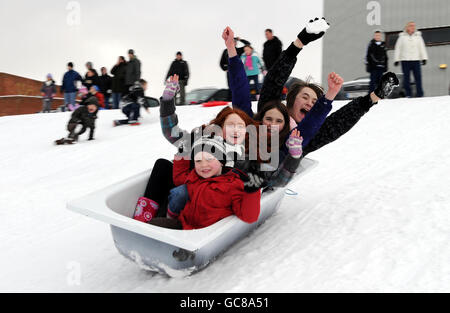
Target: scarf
pixel 249 62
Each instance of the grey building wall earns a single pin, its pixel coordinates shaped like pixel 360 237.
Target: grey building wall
pixel 345 43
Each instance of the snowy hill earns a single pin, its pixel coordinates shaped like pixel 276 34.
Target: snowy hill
pixel 373 216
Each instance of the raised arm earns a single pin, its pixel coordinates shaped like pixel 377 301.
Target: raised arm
pixel 240 89
pixel 341 121
pixel 169 119
pixel 279 73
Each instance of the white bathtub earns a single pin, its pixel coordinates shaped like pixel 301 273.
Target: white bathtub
pixel 168 251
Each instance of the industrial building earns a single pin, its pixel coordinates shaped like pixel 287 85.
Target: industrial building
pixel 353 23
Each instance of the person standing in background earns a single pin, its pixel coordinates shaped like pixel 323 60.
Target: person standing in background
pixel 105 85
pixel 91 76
pixel 133 71
pixel 68 86
pixel 272 49
pixel 410 51
pixel 118 81
pixel 376 60
pixel 180 67
pixel 48 91
pixel 253 67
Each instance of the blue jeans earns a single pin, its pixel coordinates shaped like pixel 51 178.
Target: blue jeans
pixel 375 77
pixel 132 111
pixel 116 96
pixel 69 98
pixel 107 97
pixel 414 66
pixel 255 80
pixel 178 198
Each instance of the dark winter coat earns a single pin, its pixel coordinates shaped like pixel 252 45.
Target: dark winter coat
pixel 215 198
pixel 180 68
pixel 376 57
pixel 339 123
pixel 136 95
pixel 224 57
pixel 133 71
pixel 105 84
pixel 118 81
pixel 91 81
pixel 82 116
pixel 271 52
pixel 93 70
pixel 48 89
pixel 69 81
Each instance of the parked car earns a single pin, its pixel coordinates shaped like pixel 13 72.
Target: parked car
pixel 202 95
pixel 360 87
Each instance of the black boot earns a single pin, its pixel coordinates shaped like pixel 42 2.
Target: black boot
pixel 387 84
pixel 59 141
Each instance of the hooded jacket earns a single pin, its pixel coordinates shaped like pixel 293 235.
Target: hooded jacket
pixel 212 199
pixel 410 47
pixel 84 117
pixel 48 89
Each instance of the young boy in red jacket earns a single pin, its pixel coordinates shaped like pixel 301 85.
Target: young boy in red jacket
pixel 215 191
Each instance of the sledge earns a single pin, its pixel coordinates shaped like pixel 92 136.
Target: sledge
pixel 176 253
pixel 214 104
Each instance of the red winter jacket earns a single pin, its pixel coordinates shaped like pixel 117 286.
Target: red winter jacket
pixel 212 199
pixel 101 99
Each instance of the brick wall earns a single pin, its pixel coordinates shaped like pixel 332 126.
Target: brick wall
pixel 12 85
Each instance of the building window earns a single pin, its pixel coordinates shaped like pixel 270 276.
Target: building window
pixel 435 36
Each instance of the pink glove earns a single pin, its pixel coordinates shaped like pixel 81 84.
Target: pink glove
pixel 172 87
pixel 294 144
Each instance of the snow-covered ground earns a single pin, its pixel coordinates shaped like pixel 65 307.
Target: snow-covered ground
pixel 373 216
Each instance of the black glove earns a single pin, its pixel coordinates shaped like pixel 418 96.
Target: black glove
pixel 167 108
pixel 424 62
pixel 386 85
pixel 396 63
pixel 254 183
pixel 306 37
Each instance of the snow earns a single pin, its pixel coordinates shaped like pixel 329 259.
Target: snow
pixel 373 216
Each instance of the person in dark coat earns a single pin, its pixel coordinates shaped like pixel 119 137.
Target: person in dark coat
pixel 82 118
pixel 91 79
pixel 105 85
pixel 180 67
pixel 69 87
pixel 133 72
pixel 376 60
pixel 118 81
pixel 90 67
pixel 48 91
pixel 272 49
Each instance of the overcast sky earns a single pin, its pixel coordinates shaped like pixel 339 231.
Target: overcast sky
pixel 40 37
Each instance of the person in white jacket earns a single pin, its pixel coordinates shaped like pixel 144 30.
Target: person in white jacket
pixel 410 51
